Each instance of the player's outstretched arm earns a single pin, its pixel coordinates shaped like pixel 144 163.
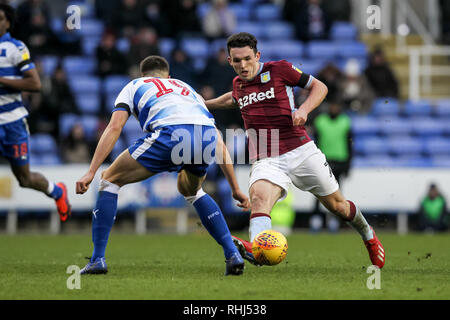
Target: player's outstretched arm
pixel 29 82
pixel 104 148
pixel 223 159
pixel 225 101
pixel 317 92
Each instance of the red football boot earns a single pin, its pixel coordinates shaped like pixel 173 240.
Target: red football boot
pixel 376 250
pixel 245 249
pixel 62 204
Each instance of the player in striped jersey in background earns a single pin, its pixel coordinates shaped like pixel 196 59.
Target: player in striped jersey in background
pixel 17 74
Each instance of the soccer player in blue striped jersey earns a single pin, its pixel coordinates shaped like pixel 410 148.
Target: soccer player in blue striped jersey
pixel 180 135
pixel 17 74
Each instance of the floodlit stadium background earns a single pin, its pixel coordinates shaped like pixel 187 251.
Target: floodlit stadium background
pixel 401 143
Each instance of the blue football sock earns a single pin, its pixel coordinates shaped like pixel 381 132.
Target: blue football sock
pixel 55 191
pixel 103 217
pixel 213 220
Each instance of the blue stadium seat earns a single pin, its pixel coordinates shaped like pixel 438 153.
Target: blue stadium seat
pixel 118 148
pixel 255 28
pixel 442 108
pixel 217 44
pixel 287 49
pixel 195 47
pixel 166 45
pixel 310 66
pixel 241 11
pixel 437 146
pixel 395 126
pixel 89 45
pixel 114 84
pixel 57 25
pixel 279 30
pixel 427 126
pixel 42 143
pixel 370 146
pixel 110 99
pixel 75 65
pixel 365 126
pixel 87 8
pixel 414 161
pixel 404 146
pixel 199 64
pixel 84 84
pixel 90 126
pixel 123 45
pixel 343 31
pixel 267 50
pixel 66 122
pixel 91 27
pixel 322 50
pixel 375 161
pixel 352 49
pixel 202 9
pixel 88 103
pixel 441 161
pixel 132 132
pixel 49 63
pixel 385 107
pixel 417 108
pixel 49 159
pixel 267 12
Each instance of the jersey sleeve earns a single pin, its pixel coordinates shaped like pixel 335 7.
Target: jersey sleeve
pixel 21 58
pixel 124 100
pixel 293 76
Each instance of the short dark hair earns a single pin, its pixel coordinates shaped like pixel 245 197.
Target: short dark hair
pixel 154 64
pixel 10 14
pixel 241 40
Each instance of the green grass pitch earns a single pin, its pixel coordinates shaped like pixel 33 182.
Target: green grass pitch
pixel 159 266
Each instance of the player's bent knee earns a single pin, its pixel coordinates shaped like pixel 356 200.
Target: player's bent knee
pixel 108 186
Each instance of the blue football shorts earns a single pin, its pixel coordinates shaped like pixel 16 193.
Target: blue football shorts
pixel 177 147
pixel 14 138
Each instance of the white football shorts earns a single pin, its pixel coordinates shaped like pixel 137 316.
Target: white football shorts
pixel 306 167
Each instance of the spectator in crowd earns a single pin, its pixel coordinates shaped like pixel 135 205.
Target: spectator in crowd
pixel 143 44
pixel 337 10
pixel 128 17
pixel 219 21
pixel 156 18
pixel 380 75
pixel 445 21
pixel 182 68
pixel 75 148
pixel 433 215
pixel 109 59
pixel 355 91
pixel 333 135
pixel 33 27
pixel 183 18
pixel 331 76
pixel 311 21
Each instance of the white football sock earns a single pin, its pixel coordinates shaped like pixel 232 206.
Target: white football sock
pixel 259 224
pixel 360 224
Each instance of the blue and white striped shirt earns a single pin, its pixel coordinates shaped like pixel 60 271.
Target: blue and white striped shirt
pixel 158 102
pixel 14 61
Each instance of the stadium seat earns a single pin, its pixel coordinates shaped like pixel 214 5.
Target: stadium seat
pixel 374 161
pixel 199 64
pixel 414 161
pixel 132 132
pixel 385 107
pixel 267 50
pixel 75 65
pixel 255 28
pixel 49 64
pixel 391 126
pixel 118 148
pixel 442 108
pixel 110 99
pixel 49 159
pixel 123 45
pixel 343 31
pixel 279 30
pixel 84 84
pixel 88 103
pixel 91 27
pixel 370 146
pixel 267 12
pixel 90 126
pixel 195 47
pixel 114 84
pixel 57 25
pixel 402 146
pixel 351 50
pixel 441 161
pixel 66 122
pixel 42 143
pixel 322 50
pixel 417 108
pixel 166 45
pixel 310 66
pixel 287 49
pixel 241 11
pixel 365 126
pixel 216 45
pixel 426 126
pixel 202 9
pixel 437 146
pixel 89 45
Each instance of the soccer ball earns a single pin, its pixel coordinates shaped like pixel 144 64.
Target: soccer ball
pixel 269 247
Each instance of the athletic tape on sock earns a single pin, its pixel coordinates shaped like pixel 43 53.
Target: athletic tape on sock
pixel 108 186
pixel 192 199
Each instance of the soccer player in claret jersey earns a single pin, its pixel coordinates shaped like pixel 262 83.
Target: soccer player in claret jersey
pixel 175 121
pixel 278 143
pixel 18 73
